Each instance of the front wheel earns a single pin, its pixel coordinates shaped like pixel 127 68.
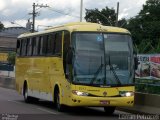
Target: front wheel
pixel 109 110
pixel 59 106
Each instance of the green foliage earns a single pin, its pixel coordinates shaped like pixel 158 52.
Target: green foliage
pixel 11 58
pixel 1 26
pixel 106 16
pixel 145 27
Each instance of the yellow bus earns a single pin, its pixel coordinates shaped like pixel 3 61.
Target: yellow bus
pixel 77 64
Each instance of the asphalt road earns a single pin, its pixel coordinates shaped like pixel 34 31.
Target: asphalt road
pixel 12 107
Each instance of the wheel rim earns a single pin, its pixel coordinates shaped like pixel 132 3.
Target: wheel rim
pixel 25 94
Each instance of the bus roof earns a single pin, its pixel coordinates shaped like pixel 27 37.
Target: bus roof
pixel 78 26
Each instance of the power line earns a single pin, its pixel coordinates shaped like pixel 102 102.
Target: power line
pixel 62 12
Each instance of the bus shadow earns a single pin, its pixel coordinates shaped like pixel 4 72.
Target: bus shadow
pixel 74 111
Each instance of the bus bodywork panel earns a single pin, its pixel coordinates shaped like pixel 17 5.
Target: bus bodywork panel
pixel 39 72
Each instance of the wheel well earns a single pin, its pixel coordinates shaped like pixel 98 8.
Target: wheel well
pixel 24 86
pixel 56 89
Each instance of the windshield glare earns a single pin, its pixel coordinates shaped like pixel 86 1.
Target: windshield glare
pixel 95 53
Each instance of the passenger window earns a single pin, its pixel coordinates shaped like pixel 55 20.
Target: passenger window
pixel 50 44
pixel 18 48
pixel 29 47
pixel 35 46
pixel 45 39
pixel 66 45
pixel 23 47
pixel 58 43
pixel 43 45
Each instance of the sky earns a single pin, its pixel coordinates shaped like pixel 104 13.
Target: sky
pixel 60 11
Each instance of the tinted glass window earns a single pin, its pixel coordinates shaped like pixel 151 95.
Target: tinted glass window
pixel 45 39
pixel 18 47
pixel 58 43
pixel 29 47
pixel 43 45
pixel 35 46
pixel 23 47
pixel 50 44
pixel 40 44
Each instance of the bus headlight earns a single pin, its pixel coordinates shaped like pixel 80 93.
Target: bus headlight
pixel 79 93
pixel 126 93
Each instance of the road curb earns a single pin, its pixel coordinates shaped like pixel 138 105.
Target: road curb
pixel 7 82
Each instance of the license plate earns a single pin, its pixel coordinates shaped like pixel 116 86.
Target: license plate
pixel 104 102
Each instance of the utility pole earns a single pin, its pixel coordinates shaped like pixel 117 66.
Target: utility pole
pixel 34 13
pixel 116 24
pixel 81 10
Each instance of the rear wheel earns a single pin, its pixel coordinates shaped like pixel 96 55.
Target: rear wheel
pixel 27 98
pixel 109 110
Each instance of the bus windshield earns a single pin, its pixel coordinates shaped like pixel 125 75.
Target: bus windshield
pixel 102 59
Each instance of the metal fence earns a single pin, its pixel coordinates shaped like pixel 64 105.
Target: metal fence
pixel 6 67
pixel 148 86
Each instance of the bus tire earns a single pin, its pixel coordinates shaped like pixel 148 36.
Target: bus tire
pixel 59 106
pixel 27 98
pixel 109 110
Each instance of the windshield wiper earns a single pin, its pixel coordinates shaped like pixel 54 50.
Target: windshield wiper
pixel 114 73
pixel 97 72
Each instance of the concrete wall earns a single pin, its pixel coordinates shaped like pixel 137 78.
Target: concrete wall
pixel 146 99
pixel 7 82
pixel 7 73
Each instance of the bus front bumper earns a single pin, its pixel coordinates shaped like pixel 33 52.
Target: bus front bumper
pixel 101 101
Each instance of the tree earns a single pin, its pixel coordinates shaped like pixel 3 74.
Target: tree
pixel 145 27
pixel 1 26
pixel 106 16
pixel 150 18
pixel 11 57
pixel 102 17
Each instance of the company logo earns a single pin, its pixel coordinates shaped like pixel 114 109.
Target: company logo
pixel 104 93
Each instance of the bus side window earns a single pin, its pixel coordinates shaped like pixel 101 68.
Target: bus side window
pixel 29 47
pixel 44 49
pixel 35 46
pixel 50 44
pixel 23 47
pixel 18 47
pixel 58 43
pixel 66 45
pixel 42 45
pixel 38 44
